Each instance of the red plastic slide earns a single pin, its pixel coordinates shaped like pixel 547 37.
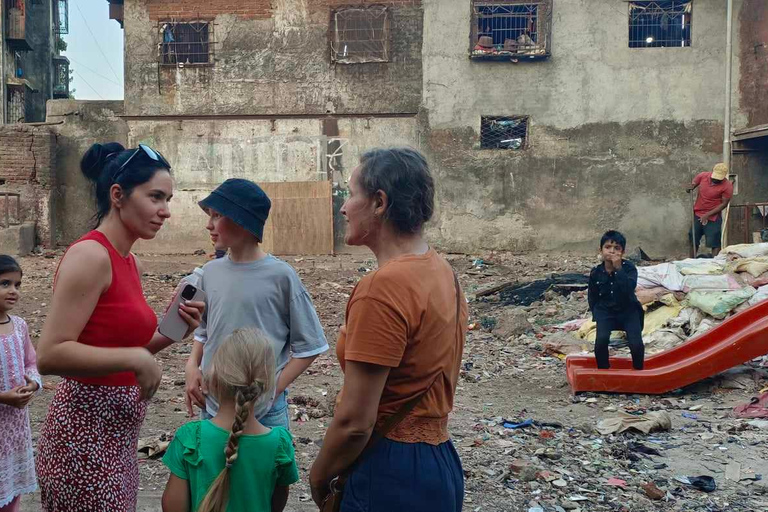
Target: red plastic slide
pixel 737 340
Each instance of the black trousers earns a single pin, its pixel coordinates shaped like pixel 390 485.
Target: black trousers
pixel 711 232
pixel 630 322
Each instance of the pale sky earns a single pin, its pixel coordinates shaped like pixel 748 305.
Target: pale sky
pixel 95 51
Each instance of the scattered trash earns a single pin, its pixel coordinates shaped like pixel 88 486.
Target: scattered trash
pixel 616 482
pixel 703 483
pixel 756 408
pixel 524 424
pixel 689 415
pixel 650 422
pixel 526 294
pixel 652 491
pixel 761 424
pixel 641 448
pixel 153 448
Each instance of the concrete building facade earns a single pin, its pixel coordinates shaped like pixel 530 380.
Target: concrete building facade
pixel 546 121
pixel 32 69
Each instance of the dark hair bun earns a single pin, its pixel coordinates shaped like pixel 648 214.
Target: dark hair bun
pixel 95 158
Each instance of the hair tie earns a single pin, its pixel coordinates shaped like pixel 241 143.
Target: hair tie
pixel 228 465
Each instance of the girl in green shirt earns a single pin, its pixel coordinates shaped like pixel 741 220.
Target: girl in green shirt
pixel 232 463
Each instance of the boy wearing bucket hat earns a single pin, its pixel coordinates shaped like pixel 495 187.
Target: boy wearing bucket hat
pixel 250 288
pixel 715 192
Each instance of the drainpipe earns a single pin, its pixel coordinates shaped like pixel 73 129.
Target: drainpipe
pixel 728 61
pixel 727 118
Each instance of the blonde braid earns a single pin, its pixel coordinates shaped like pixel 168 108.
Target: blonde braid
pixel 218 496
pixel 243 370
pixel 244 398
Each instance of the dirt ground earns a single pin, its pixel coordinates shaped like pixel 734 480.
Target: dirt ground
pixel 559 463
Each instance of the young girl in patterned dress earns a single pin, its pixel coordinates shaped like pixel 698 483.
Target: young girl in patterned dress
pixel 19 381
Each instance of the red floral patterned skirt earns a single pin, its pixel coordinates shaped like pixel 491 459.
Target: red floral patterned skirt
pixel 87 448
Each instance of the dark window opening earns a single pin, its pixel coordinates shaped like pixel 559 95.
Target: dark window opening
pixel 503 132
pixel 360 35
pixel 510 29
pixel 17 104
pixel 660 24
pixel 186 43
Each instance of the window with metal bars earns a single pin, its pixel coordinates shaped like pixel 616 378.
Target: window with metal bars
pixel 660 24
pixel 61 22
pixel 504 132
pixel 510 30
pixel 60 77
pixel 17 104
pixel 360 35
pixel 186 43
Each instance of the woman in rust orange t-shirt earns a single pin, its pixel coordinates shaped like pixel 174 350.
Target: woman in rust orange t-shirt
pixel 402 337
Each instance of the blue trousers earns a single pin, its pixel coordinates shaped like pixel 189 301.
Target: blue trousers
pixel 406 477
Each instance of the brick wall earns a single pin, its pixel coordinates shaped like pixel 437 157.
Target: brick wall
pixel 26 167
pixel 245 9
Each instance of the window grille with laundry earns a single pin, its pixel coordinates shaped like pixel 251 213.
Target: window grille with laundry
pixel 360 35
pixel 498 132
pixel 511 30
pixel 660 24
pixel 184 43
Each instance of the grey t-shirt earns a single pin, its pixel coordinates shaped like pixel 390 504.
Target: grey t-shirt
pixel 266 294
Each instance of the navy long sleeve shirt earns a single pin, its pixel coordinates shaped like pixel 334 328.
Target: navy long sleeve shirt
pixel 613 293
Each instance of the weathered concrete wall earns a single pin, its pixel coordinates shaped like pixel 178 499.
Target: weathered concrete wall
pixel 753 51
pixel 26 168
pixel 205 153
pixel 270 58
pixel 82 124
pixel 614 132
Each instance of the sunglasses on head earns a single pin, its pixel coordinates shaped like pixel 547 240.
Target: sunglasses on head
pixel 147 151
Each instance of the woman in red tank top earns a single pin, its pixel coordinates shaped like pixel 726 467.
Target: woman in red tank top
pixel 101 336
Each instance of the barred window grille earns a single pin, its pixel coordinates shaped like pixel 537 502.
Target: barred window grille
pixel 61 22
pixel 60 77
pixel 17 104
pixel 510 30
pixel 660 24
pixel 504 132
pixel 360 35
pixel 186 43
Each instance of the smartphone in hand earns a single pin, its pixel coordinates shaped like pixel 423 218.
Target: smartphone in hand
pixel 173 325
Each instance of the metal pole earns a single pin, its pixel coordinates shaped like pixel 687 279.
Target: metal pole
pixel 728 63
pixel 727 118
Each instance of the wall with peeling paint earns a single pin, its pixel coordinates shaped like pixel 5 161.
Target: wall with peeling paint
pixel 270 61
pixel 204 153
pixel 614 132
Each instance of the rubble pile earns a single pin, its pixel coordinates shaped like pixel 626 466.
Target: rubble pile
pixel 545 450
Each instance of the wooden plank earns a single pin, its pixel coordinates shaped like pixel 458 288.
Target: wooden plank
pixel 301 219
pixel 495 289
